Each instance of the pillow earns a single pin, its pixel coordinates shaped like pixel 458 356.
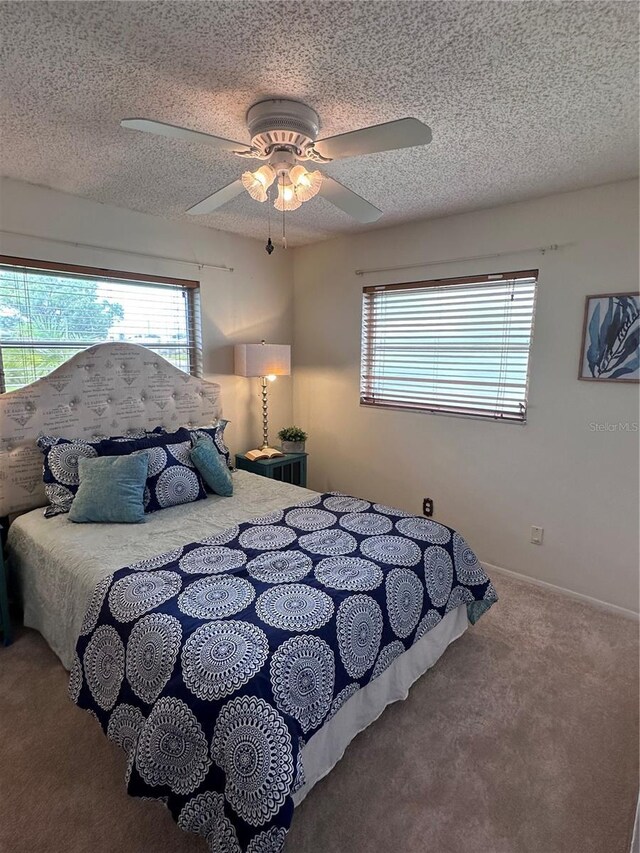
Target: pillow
pixel 61 455
pixel 171 479
pixel 123 445
pixel 60 469
pixel 111 489
pixel 212 467
pixel 215 434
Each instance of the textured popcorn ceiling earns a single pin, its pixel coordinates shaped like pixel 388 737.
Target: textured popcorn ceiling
pixel 523 99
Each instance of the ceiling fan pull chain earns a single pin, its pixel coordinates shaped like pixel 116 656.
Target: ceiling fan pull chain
pixel 269 247
pixel 284 235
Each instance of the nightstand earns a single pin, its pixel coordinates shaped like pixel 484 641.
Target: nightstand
pixel 290 468
pixel 5 622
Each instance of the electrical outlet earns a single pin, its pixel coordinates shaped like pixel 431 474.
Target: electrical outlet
pixel 537 534
pixel 427 507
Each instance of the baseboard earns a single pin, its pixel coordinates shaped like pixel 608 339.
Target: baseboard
pixel 578 596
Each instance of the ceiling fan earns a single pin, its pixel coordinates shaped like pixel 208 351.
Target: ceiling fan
pixel 284 134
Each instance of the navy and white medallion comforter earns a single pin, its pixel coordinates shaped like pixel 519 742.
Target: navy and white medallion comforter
pixel 213 664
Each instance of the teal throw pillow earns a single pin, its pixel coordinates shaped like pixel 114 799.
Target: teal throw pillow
pixel 212 467
pixel 111 489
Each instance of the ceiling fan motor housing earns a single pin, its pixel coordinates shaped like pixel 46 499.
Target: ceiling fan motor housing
pixel 281 123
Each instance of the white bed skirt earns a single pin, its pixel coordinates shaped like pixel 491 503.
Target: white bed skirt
pixel 327 746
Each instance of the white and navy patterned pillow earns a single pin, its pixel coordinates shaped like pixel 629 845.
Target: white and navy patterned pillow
pixel 60 464
pixel 172 477
pixel 60 470
pixel 215 434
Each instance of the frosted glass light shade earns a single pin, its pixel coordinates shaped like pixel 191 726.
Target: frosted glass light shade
pixel 287 199
pixel 306 184
pixel 257 183
pixel 262 359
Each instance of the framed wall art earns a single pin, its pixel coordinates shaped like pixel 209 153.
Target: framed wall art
pixel 611 338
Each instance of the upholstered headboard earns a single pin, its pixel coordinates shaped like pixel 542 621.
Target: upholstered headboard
pixel 107 389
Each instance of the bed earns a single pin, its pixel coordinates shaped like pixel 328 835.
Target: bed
pixel 68 575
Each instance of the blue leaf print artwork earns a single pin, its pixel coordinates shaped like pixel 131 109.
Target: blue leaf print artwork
pixel 612 348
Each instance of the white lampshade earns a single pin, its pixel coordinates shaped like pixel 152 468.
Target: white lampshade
pixel 262 359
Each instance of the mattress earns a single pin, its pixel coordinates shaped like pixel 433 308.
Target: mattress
pixel 57 565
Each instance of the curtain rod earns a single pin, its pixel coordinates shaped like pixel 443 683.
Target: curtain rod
pixel 119 251
pixel 542 249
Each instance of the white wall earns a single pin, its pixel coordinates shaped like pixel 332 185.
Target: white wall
pixel 249 304
pixel 491 481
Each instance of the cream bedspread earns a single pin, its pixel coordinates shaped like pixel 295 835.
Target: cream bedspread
pixel 57 563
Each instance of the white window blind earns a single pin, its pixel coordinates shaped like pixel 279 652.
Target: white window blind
pixel 49 312
pixel 456 346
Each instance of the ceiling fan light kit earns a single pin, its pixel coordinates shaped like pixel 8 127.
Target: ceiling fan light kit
pixel 295 184
pixel 284 132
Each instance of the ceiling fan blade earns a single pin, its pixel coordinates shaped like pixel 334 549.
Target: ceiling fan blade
pixel 347 200
pixel 220 197
pixel 147 125
pixel 403 133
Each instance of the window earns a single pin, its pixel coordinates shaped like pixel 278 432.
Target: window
pixel 49 312
pixel 457 346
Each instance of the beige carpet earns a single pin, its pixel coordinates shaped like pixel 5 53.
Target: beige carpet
pixel 522 739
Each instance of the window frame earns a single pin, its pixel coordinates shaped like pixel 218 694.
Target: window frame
pixel 485 278
pixel 191 288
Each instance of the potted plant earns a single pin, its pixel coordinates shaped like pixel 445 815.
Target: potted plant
pixel 293 439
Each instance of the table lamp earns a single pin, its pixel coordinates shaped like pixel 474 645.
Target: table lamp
pixel 266 361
